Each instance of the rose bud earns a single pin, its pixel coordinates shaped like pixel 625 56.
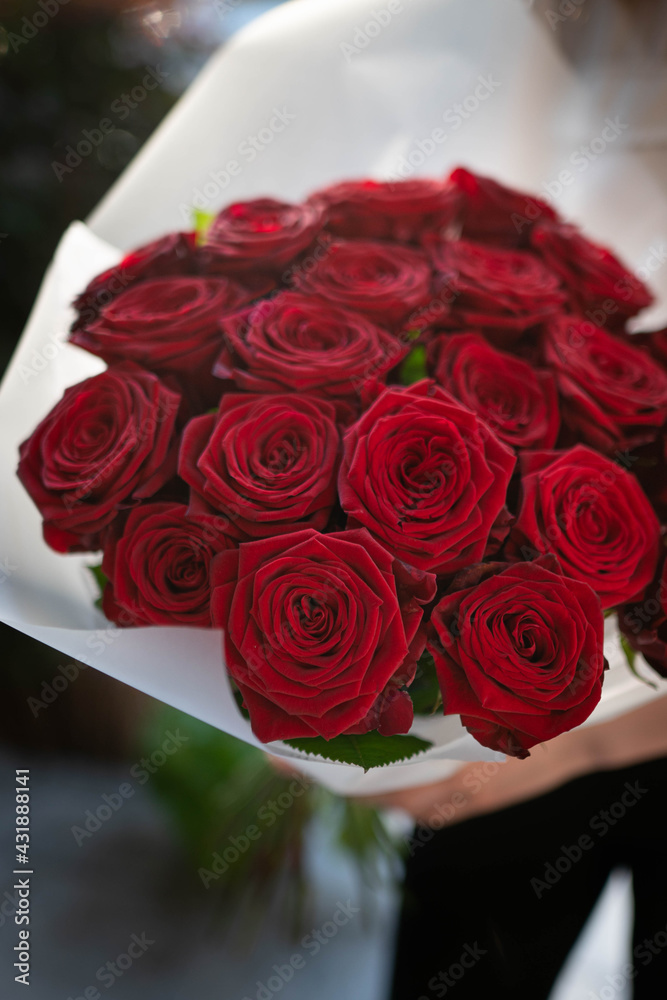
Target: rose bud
pixel 518 650
pixel 266 463
pixel 384 281
pixel 518 402
pixel 260 235
pixel 389 210
pixel 321 632
pixel 599 286
pixel 593 516
pixel 644 624
pixel 171 326
pixel 298 343
pixel 107 444
pixel 498 291
pixel 427 478
pixel 158 567
pixel 613 395
pixel 493 213
pixel 174 254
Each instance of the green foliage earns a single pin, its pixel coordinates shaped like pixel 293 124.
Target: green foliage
pixel 367 751
pixel 201 222
pixel 101 580
pixel 413 368
pixel 216 788
pixel 425 689
pixel 631 655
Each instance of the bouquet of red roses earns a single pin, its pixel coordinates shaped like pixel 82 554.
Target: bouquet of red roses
pixel 395 442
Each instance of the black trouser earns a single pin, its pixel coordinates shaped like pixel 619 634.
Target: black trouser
pixel 493 905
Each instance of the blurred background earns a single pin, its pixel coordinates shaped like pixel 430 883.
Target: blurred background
pixel 173 866
pixel 149 877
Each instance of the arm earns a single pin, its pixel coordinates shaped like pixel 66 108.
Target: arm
pixel 482 788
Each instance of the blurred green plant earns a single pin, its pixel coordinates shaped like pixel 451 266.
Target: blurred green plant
pixel 244 824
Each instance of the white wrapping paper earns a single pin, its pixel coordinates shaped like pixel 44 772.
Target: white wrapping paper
pixel 317 111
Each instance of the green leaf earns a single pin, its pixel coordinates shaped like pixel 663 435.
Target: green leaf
pixel 101 579
pixel 630 655
pixel 413 368
pixel 425 689
pixel 201 222
pixel 367 751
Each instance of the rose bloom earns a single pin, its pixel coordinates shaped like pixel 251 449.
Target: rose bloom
pixel 321 633
pixel 158 567
pixel 296 343
pixel 170 326
pixel 260 235
pixel 174 254
pixel 654 343
pixel 107 444
pixel 613 395
pixel 501 292
pixel 390 210
pixel 518 650
pixel 599 286
pixel 518 402
pixel 493 213
pixel 644 625
pixel 593 515
pixel 267 463
pixel 427 478
pixel 384 281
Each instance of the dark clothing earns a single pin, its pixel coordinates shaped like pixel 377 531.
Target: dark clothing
pixel 493 905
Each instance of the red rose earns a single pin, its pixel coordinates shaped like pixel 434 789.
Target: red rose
pixel 645 625
pixel 501 292
pixel 519 653
pixel 317 628
pixel 654 342
pixel 267 463
pixel 384 281
pixel 519 403
pixel 159 567
pixel 263 234
pixel 170 326
pixel 390 210
pixel 493 213
pixel 170 255
pixel 107 444
pixel 598 284
pixel 296 343
pixel 593 516
pixel 427 478
pixel 613 394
